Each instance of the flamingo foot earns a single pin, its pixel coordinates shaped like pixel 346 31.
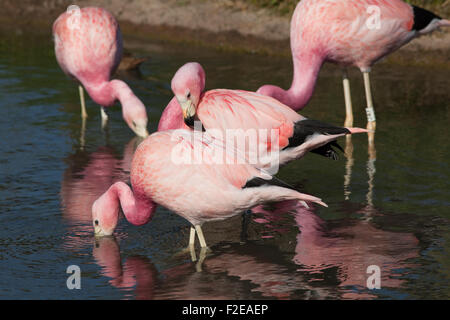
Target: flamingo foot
pixel 371 127
pixel 188 250
pixel 203 252
pixel 348 123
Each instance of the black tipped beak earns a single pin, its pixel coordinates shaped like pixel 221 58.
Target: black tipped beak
pixel 189 122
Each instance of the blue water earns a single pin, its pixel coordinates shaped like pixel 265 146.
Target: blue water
pixel 389 209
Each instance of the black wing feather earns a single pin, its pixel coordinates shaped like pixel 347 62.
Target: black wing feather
pixel 305 128
pixel 260 182
pixel 328 151
pixel 422 18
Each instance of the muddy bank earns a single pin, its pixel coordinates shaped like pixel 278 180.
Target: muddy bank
pixel 229 24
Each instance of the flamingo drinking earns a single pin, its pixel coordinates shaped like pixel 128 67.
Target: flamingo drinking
pixel 349 33
pixel 165 171
pixel 88 47
pixel 245 112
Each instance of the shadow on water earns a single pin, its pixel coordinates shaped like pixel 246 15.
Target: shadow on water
pixel 387 207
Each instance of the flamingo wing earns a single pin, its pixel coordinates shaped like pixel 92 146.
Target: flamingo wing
pixel 358 32
pixel 88 44
pixel 223 109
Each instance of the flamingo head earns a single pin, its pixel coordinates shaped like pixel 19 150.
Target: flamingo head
pixel 187 85
pixel 136 118
pixel 105 215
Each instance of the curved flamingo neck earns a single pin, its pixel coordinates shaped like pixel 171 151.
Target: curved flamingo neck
pixel 137 208
pixel 107 92
pixel 122 92
pixel 306 72
pixel 172 117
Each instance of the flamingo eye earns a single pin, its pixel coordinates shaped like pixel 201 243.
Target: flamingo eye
pixel 188 95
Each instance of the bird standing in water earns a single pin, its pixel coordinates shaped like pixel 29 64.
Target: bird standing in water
pixel 88 48
pixel 349 33
pixel 193 175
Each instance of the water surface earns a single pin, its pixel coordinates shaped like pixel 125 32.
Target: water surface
pixel 388 208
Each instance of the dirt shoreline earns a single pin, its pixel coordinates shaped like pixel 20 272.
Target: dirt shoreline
pixel 228 24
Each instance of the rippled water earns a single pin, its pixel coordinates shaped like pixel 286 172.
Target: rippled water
pixel 388 208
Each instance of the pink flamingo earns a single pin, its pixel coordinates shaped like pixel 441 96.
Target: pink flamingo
pixel 349 33
pixel 88 47
pixel 165 171
pixel 245 112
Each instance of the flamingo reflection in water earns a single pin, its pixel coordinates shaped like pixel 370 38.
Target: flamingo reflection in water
pixel 237 271
pixel 87 177
pixel 371 170
pixel 352 246
pixel 327 261
pixel 137 273
pixel 346 249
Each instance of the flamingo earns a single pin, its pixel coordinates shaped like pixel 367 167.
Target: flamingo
pixel 164 171
pixel 222 111
pixel 349 33
pixel 88 48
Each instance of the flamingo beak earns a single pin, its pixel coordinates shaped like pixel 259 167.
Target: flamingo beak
pixel 140 128
pixel 99 232
pixel 188 108
pixel 141 132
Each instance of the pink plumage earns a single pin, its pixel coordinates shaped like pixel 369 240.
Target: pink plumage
pixel 172 117
pixel 349 33
pixel 279 131
pixel 165 171
pixel 88 48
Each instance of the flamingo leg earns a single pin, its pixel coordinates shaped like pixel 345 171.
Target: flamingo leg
pixel 198 266
pixel 82 133
pixel 104 117
pixel 348 101
pixel 348 166
pixel 371 120
pixel 192 251
pixel 192 237
pixel 201 238
pixel 191 246
pixel 83 102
